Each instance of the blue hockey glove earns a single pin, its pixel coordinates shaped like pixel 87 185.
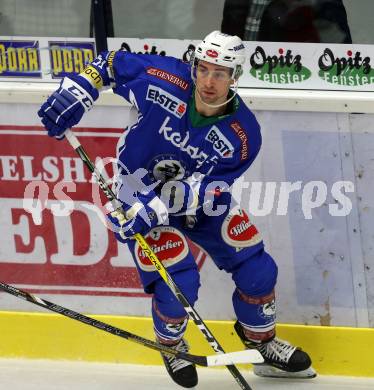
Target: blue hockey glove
pixel 145 214
pixel 66 106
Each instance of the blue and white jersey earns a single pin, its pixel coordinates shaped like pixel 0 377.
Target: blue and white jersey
pixel 164 141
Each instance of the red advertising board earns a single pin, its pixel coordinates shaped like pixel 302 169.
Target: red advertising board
pixel 53 237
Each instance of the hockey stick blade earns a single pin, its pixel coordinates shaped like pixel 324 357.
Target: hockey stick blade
pixel 206 361
pixel 225 359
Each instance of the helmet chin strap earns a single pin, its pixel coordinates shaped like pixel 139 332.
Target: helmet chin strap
pixel 213 105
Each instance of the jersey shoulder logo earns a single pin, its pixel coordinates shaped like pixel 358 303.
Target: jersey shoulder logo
pixel 220 143
pixel 167 101
pixel 169 77
pixel 240 132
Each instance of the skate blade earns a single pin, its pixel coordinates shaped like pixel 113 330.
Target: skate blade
pixel 267 371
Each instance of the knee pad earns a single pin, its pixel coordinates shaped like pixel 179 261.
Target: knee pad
pixel 257 275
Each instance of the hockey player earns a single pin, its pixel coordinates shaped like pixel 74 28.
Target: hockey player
pixel 194 136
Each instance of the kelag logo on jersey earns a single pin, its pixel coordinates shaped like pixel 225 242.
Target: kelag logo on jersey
pixel 70 57
pixel 352 70
pixel 278 69
pixel 220 143
pixel 167 101
pixel 20 59
pixel 183 144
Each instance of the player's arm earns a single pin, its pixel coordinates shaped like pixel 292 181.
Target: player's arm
pixel 191 194
pixel 78 92
pixel 75 96
pixel 206 186
pixel 222 176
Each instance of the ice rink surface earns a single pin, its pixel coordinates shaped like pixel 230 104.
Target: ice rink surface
pixel 17 374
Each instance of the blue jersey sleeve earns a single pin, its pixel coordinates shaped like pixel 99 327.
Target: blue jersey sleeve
pixel 223 175
pixel 216 178
pixel 128 74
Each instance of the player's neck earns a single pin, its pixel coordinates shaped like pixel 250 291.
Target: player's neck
pixel 205 110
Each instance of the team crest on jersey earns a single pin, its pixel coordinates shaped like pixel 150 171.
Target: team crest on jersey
pixel 167 167
pixel 238 231
pixel 166 100
pixel 167 243
pixel 220 143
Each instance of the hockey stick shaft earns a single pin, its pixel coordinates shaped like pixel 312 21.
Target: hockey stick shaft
pixel 74 142
pixel 207 361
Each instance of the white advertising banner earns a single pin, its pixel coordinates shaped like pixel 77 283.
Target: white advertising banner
pixel 281 65
pixel 309 193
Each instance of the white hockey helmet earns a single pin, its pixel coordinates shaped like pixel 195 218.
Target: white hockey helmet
pixel 221 49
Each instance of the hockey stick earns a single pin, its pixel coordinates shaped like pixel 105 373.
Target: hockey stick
pixel 74 142
pixel 246 356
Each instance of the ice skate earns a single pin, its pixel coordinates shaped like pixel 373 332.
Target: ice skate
pixel 282 360
pixel 181 372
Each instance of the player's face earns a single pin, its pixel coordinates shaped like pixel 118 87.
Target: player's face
pixel 213 82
